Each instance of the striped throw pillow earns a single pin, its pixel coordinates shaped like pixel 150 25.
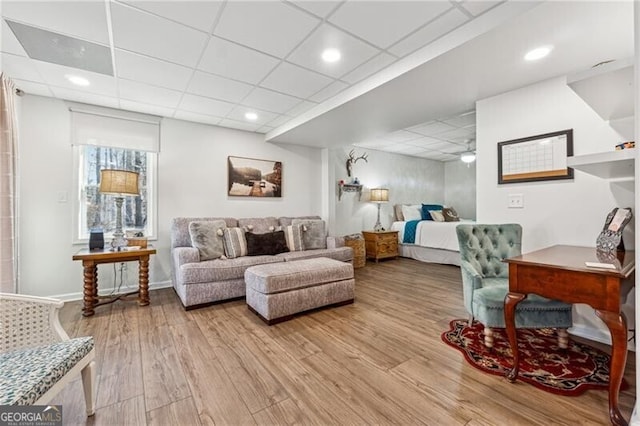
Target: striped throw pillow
pixel 235 244
pixel 293 235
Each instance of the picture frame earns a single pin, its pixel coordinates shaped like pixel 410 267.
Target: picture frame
pixel 252 177
pixel 536 158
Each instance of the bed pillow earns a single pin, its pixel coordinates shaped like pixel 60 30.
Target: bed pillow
pixel 235 244
pixel 411 212
pixel 270 243
pixel 206 236
pixel 436 215
pixel 293 236
pixel 426 208
pixel 313 233
pixel 450 214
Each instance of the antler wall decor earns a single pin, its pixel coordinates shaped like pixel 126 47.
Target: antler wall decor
pixel 351 160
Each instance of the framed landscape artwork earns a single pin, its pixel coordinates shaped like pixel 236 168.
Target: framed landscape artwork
pixel 536 158
pixel 250 177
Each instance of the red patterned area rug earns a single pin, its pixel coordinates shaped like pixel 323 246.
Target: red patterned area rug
pixel 567 372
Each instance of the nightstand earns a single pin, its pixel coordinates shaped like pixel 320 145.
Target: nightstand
pixel 381 245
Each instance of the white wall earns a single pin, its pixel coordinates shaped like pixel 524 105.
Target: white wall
pixel 460 187
pixel 555 212
pixel 192 181
pixel 409 180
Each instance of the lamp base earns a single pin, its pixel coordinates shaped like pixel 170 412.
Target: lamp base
pixel 118 242
pixel 378 227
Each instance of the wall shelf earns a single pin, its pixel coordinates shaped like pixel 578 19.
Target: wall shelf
pixel 618 165
pixel 349 187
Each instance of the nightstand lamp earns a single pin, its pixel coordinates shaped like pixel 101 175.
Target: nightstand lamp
pixel 379 196
pixel 119 183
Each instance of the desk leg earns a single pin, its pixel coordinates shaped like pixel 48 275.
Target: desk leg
pixel 510 303
pixel 143 297
pixel 617 324
pixel 90 287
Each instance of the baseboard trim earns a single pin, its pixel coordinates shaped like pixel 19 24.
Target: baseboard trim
pixel 70 297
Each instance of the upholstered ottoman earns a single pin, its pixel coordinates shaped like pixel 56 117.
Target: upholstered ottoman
pixel 277 291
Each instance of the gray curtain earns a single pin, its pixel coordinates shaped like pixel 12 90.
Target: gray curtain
pixel 8 193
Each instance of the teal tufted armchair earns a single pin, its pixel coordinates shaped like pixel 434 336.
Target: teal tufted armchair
pixel 485 282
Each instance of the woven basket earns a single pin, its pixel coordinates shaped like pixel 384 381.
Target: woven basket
pixel 359 255
pixel 137 241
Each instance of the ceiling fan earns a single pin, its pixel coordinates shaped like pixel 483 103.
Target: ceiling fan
pixel 468 156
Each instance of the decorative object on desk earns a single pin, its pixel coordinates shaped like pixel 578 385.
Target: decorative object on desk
pixel 96 240
pixel 352 160
pixel 119 183
pixel 626 145
pixel 536 158
pixel 249 177
pixel 379 196
pixel 136 238
pixel 610 239
pixel 544 365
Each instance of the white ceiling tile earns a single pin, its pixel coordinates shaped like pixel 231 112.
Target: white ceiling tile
pixel 265 129
pixel 146 108
pixel 9 43
pixel 82 19
pixel 385 22
pixel 140 92
pixel 453 149
pixel 197 118
pixel 296 81
pixel 279 121
pixel 432 128
pixel 269 100
pixel 301 108
pixel 32 88
pixel 476 7
pixel 374 65
pixel 439 146
pixel 465 132
pixel 231 60
pixel 263 116
pixel 329 91
pixel 84 97
pixel 152 71
pixel 318 8
pixel 442 25
pixel 54 74
pixel 218 87
pixel 238 125
pixel 425 142
pixel 148 34
pixel 463 120
pixel 197 14
pixel 400 136
pixel 207 106
pixel 410 150
pixel 432 155
pixel 20 67
pixel 354 52
pixel 253 24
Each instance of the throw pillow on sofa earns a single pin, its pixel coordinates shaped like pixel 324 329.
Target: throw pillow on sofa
pixel 314 235
pixel 235 244
pixel 270 243
pixel 293 236
pixel 206 236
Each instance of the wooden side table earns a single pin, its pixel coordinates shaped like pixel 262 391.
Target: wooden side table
pixel 381 245
pixel 90 262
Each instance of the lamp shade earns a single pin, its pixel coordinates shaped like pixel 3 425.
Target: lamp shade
pixel 379 195
pixel 120 182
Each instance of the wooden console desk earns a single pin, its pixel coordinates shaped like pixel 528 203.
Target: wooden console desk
pixel 90 262
pixel 560 273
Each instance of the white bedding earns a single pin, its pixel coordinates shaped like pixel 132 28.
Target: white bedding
pixel 439 235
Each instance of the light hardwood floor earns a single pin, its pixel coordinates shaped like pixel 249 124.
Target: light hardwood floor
pixel 378 361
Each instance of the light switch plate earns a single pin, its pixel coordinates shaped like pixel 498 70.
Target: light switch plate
pixel 515 201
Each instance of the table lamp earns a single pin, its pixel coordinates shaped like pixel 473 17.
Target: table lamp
pixel 119 183
pixel 379 196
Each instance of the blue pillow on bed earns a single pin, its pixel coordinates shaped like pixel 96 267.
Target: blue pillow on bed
pixel 426 208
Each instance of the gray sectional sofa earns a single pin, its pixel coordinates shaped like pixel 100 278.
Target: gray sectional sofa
pixel 202 282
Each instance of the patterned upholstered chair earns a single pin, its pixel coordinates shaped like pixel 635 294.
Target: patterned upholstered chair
pixel 37 357
pixel 485 281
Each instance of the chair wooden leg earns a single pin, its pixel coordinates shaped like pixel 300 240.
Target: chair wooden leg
pixel 470 320
pixel 488 337
pixel 563 338
pixel 88 384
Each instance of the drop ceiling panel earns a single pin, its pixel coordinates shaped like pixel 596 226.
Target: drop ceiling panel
pixel 146 108
pixel 55 75
pixel 9 43
pixel 373 65
pixel 318 8
pixel 354 52
pixel 231 60
pixel 478 7
pixel 264 129
pixel 252 24
pixel 301 108
pixel 207 106
pixel 32 88
pixel 425 142
pixel 140 92
pixel 238 125
pixel 197 118
pixel 296 81
pixel 384 23
pixel 160 38
pixel 84 19
pixel 400 136
pixel 329 91
pixel 462 120
pixel 279 121
pixel 85 97
pixel 212 86
pixel 133 66
pixel 270 101
pixel 264 117
pixel 197 14
pixel 432 128
pixel 20 67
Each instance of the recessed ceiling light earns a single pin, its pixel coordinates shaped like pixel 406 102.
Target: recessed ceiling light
pixel 331 55
pixel 537 53
pixel 252 116
pixel 77 80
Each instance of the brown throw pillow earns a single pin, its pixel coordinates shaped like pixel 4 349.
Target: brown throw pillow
pixel 266 244
pixel 450 214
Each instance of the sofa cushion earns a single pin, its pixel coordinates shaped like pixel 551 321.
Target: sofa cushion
pixel 259 225
pixel 343 254
pixel 287 221
pixel 235 244
pixel 206 236
pixel 180 236
pixel 265 244
pixel 222 269
pixel 293 235
pixel 314 235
